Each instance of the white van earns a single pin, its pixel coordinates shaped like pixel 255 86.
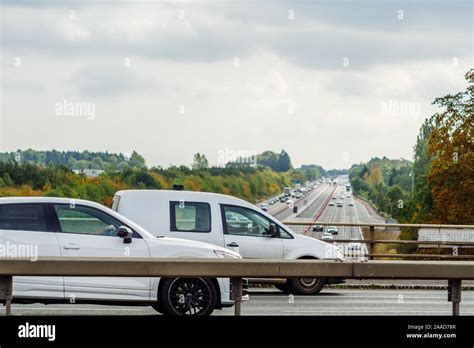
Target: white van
pixel 225 221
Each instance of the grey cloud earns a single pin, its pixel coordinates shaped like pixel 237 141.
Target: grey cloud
pixel 253 26
pixel 108 81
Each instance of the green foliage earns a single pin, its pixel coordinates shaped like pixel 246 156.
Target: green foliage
pixel 277 162
pixel 200 162
pixel 421 200
pixel 76 159
pixel 312 171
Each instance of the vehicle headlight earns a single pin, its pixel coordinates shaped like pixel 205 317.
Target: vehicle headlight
pixel 221 254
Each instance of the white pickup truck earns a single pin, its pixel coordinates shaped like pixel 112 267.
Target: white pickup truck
pixel 225 221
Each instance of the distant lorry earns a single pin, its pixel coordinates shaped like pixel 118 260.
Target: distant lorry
pixel 287 191
pixel 229 222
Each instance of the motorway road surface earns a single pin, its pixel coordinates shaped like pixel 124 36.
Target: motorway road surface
pixel 317 207
pixel 345 213
pixel 273 302
pixel 283 211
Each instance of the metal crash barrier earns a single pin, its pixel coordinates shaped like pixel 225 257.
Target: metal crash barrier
pixel 452 271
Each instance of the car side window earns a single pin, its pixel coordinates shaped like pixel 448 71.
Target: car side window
pixel 190 216
pixel 23 217
pixel 85 220
pixel 245 222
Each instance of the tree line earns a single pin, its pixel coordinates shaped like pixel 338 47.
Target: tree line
pixel 33 176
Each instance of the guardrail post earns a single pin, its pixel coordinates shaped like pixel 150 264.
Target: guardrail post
pixel 6 292
pixel 371 244
pixel 454 294
pixel 236 294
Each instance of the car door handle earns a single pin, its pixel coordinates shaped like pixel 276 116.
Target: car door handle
pixel 71 247
pixel 233 245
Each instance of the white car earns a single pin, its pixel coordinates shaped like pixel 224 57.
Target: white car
pixel 327 236
pixel 289 201
pixel 225 221
pixel 264 207
pixel 78 228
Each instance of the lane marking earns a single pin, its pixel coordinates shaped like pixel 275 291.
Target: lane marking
pixel 341 298
pixel 361 236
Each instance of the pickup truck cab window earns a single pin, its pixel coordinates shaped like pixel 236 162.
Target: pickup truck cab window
pixel 190 216
pixel 245 222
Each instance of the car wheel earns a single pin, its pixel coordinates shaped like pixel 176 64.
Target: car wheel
pixel 306 286
pixel 187 297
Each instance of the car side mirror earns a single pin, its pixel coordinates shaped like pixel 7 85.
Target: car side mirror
pixel 125 233
pixel 273 230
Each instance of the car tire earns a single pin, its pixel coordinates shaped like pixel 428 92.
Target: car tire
pixel 187 297
pixel 306 286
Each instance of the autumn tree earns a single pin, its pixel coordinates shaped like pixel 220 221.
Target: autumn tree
pixel 451 150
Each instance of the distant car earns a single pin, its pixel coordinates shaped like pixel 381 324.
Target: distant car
pixel 289 201
pixel 334 197
pixel 339 204
pixel 272 202
pixel 298 195
pixel 264 207
pixel 318 228
pixel 327 236
pixel 351 204
pixel 283 199
pixel 332 230
pixel 331 204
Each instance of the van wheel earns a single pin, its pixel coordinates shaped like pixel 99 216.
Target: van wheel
pixel 306 286
pixel 187 297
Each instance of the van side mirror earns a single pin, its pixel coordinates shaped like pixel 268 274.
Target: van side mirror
pixel 273 230
pixel 125 233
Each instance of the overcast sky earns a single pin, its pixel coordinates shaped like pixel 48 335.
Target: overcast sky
pixel 331 82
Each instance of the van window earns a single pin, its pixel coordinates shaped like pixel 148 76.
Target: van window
pixel 23 217
pixel 190 217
